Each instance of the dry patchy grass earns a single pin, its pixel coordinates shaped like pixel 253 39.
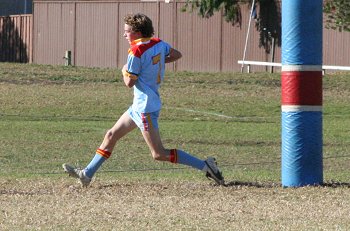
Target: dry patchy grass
pixel 111 204
pixel 59 110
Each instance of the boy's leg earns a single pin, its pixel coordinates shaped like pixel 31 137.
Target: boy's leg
pixel 153 140
pixel 123 126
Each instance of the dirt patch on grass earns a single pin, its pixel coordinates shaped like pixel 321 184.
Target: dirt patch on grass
pixel 114 205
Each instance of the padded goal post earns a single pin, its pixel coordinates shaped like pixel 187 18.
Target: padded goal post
pixel 301 101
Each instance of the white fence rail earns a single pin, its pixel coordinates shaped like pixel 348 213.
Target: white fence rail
pixel 270 64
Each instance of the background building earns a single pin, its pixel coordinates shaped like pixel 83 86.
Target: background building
pixel 93 31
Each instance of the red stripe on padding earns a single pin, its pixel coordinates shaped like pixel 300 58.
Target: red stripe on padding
pixel 302 88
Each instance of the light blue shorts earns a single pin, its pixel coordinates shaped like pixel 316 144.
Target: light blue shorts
pixel 144 121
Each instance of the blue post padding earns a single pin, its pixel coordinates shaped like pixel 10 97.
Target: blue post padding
pixel 302 148
pixel 302 32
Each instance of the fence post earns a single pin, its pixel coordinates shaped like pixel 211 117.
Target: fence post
pixel 68 58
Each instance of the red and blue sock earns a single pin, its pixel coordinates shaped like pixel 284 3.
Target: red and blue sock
pixel 96 162
pixel 181 157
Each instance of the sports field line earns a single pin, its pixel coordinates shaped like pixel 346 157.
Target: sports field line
pixel 233 117
pixel 199 112
pixel 214 113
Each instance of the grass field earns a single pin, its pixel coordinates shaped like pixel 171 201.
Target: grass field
pixel 54 114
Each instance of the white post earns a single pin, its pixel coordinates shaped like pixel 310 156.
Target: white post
pixel 247 37
pixel 68 58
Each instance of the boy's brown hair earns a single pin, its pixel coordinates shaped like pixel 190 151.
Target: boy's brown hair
pixel 140 23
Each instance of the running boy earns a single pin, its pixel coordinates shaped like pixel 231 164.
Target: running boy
pixel 144 72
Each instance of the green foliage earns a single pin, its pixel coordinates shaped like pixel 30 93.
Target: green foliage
pixel 206 8
pixel 268 23
pixel 268 20
pixel 338 14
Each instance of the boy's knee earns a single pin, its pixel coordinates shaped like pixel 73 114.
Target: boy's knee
pixel 110 138
pixel 109 134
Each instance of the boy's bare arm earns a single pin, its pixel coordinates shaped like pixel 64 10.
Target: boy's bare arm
pixel 173 56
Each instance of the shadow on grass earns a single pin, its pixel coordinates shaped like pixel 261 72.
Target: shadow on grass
pixel 336 185
pixel 278 185
pixel 252 184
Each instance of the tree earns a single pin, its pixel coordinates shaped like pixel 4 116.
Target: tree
pixel 206 8
pixel 267 20
pixel 338 14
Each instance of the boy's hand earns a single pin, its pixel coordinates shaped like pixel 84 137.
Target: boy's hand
pixel 173 56
pixel 125 67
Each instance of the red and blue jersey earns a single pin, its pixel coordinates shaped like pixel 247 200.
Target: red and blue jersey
pixel 146 64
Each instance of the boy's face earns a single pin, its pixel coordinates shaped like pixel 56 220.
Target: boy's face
pixel 131 35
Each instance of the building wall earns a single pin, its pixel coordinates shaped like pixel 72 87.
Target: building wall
pixel 93 31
